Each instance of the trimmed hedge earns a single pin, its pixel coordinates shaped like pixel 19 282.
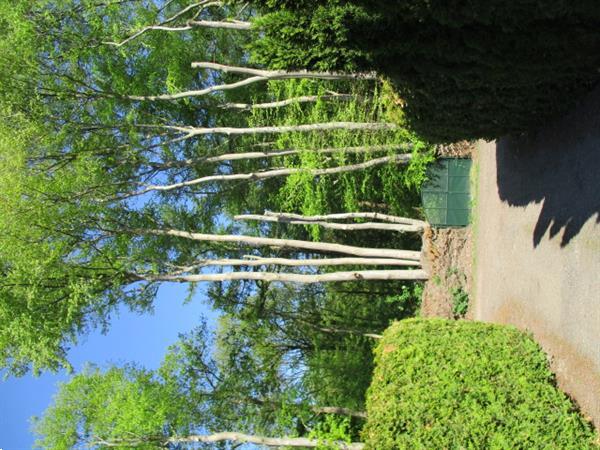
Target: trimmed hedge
pixel 466 70
pixel 467 385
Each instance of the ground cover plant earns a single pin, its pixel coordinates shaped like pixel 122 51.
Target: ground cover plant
pixel 459 384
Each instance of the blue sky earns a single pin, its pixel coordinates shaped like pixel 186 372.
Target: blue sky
pixel 132 337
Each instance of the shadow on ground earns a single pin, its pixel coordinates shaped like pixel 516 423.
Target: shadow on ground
pixel 559 166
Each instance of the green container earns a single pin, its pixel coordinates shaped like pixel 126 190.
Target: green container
pixel 446 195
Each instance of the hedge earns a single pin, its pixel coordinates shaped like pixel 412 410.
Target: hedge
pixel 466 70
pixel 467 385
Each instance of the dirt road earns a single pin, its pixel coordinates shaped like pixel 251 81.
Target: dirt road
pixel 537 244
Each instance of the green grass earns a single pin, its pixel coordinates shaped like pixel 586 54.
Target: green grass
pixel 474 178
pixel 442 384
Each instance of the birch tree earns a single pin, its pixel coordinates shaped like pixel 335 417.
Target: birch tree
pixel 136 408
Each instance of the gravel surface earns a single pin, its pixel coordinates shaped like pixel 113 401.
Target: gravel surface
pixel 537 244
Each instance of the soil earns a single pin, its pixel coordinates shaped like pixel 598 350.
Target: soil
pixel 447 258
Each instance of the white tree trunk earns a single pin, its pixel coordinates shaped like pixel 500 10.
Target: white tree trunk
pixel 287 101
pixel 359 275
pixel 334 226
pixel 398 159
pixel 242 156
pixel 276 129
pixel 266 75
pixel 288 243
pixel 353 215
pixel 255 261
pixel 261 440
pixel 229 24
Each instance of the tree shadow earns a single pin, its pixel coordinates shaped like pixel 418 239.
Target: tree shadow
pixel 559 166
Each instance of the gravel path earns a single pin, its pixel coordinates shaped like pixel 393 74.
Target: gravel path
pixel 537 244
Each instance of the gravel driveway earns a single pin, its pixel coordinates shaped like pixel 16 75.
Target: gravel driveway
pixel 537 244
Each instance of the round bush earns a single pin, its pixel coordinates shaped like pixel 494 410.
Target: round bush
pixel 467 385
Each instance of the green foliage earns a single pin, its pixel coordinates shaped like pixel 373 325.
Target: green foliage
pixel 460 302
pixel 447 384
pixel 331 431
pixel 465 71
pixel 127 406
pixel 393 185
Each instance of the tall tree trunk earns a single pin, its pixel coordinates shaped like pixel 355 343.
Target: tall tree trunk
pixel 264 75
pixel 288 243
pixel 359 275
pixel 334 226
pixel 352 215
pixel 261 440
pixel 398 159
pixel 242 156
pixel 254 261
pixel 190 132
pixel 287 101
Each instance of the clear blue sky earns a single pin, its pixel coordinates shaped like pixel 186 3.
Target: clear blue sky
pixel 139 338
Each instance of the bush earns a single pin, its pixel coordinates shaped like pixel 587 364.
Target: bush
pixel 447 385
pixel 478 69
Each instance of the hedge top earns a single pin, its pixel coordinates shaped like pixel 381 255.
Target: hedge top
pixel 453 385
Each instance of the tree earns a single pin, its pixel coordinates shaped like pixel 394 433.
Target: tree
pixel 77 245
pixel 135 408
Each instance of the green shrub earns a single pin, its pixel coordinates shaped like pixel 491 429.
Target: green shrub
pixel 466 70
pixel 467 385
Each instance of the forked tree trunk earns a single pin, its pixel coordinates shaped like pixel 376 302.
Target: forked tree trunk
pixel 243 156
pixel 398 159
pixel 190 132
pixel 264 75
